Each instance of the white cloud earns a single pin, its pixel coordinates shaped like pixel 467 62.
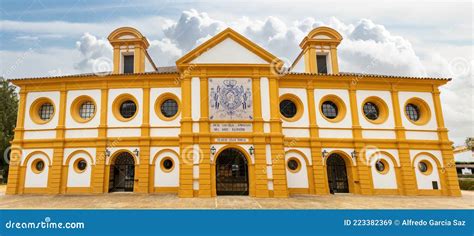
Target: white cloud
pixel 164 52
pixel 91 49
pixel 191 27
pixel 36 62
pixel 150 26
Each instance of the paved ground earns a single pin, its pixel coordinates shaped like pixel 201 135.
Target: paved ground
pixel 130 200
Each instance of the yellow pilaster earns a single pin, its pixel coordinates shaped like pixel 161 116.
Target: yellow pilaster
pixel 408 179
pixel 204 140
pixel 449 171
pixel 334 61
pixel 54 174
pixel 362 178
pixel 186 141
pixel 143 168
pixel 139 59
pixel 280 188
pixel 261 179
pixel 99 170
pixel 14 173
pixel 310 62
pixel 117 56
pixel 318 173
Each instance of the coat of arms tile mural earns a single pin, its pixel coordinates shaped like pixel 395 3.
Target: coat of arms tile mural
pixel 230 99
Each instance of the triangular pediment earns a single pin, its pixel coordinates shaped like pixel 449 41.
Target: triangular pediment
pixel 228 47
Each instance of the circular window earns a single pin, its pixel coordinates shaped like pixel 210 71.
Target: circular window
pixel 167 106
pixel 288 108
pixel 332 108
pixel 128 109
pixel 42 110
pixel 46 111
pixel 293 165
pixel 83 109
pixel 375 110
pixel 329 109
pixel 37 166
pixel 87 110
pixel 417 111
pixel 125 107
pixel 371 111
pixel 80 165
pixel 424 167
pixel 291 108
pixel 413 112
pixel 381 166
pixel 167 164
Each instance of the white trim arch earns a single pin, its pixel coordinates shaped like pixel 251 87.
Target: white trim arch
pixel 297 179
pixel 162 178
pixel 423 180
pixel 79 179
pixel 116 151
pixel 388 179
pixel 245 148
pixel 36 180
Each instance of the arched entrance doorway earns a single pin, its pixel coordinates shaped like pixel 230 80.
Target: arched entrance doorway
pixel 122 173
pixel 337 174
pixel 232 176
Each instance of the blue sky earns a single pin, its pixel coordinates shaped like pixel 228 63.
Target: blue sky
pixel 417 38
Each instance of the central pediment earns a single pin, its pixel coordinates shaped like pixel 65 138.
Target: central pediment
pixel 228 47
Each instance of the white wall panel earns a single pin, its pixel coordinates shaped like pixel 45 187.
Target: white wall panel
pixel 44 134
pixel 71 96
pixel 155 121
pixel 335 133
pixel 302 96
pixel 265 97
pixel 37 180
pixel 424 181
pixel 344 96
pixel 383 95
pixel 228 52
pixel 428 98
pixel 30 98
pixel 162 178
pixel 300 178
pixel 387 180
pixel 137 120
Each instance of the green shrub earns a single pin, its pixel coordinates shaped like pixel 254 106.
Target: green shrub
pixel 465 176
pixel 466 184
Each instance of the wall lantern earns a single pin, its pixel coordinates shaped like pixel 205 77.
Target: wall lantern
pixel 136 152
pixel 325 153
pixel 251 150
pixel 213 150
pixel 354 154
pixel 107 152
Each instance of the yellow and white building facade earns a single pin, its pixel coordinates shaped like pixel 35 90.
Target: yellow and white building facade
pixel 230 119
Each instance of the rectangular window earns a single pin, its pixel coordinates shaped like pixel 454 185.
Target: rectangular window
pixel 128 64
pixel 435 184
pixel 322 64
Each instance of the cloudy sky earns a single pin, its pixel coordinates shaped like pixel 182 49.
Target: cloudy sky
pixel 419 38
